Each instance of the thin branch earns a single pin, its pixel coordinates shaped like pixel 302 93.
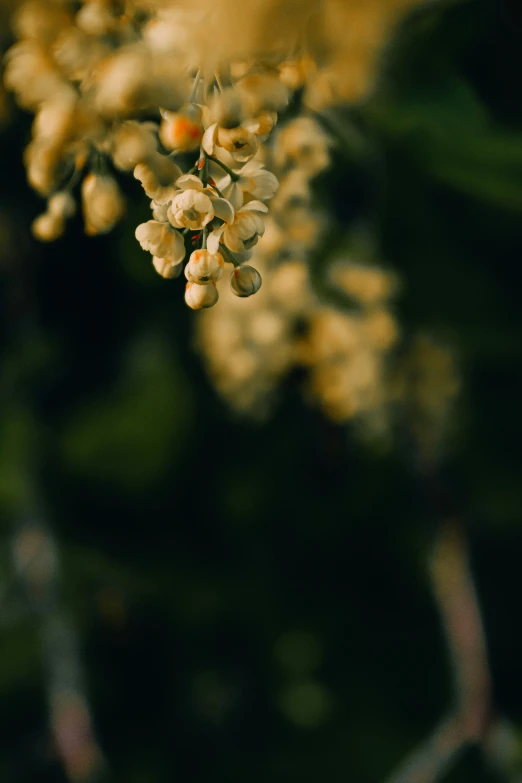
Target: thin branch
pixel 37 562
pixel 458 606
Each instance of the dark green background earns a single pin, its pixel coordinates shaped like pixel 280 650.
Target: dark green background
pixel 215 536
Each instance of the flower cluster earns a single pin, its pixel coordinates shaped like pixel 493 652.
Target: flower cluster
pixel 185 95
pixel 343 350
pixel 216 210
pixel 248 350
pixel 120 87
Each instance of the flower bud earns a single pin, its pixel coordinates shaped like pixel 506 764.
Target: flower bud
pixel 61 205
pixel 161 240
pixel 245 281
pixel 262 92
pixel 181 131
pixel 199 297
pixel 132 143
pixel 157 178
pixel 47 227
pixel 225 108
pixel 167 268
pixel 95 18
pixel 102 202
pixel 204 267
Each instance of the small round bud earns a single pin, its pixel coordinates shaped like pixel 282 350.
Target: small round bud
pixel 102 202
pixel 47 227
pixel 204 267
pixel 199 297
pixel 245 281
pixel 132 143
pixel 95 18
pixel 181 131
pixel 61 205
pixel 167 268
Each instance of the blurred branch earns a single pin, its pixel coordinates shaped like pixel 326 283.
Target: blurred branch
pixel 454 592
pixel 431 386
pixel 34 551
pixel 36 560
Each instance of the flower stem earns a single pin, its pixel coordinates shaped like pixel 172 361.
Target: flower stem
pixel 193 92
pixel 223 249
pixel 232 174
pixel 218 81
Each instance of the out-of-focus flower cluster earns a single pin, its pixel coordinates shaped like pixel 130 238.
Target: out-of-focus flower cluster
pixel 185 96
pixel 249 350
pixel 426 382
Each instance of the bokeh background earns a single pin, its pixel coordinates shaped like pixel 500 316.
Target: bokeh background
pixel 250 600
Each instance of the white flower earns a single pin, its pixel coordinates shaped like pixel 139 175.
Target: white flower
pixel 191 209
pixel 252 179
pixel 245 281
pixel 239 142
pixel 159 211
pixel 199 297
pixel 195 205
pixel 261 125
pixel 242 232
pixel 204 267
pixel 158 177
pixel 161 240
pixel 167 268
pixel 102 202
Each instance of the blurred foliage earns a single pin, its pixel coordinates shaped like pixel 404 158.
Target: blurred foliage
pixel 252 601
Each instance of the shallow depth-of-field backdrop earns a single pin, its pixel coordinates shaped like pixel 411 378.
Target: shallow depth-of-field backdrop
pixel 250 601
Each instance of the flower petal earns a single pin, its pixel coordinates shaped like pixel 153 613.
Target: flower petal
pixel 202 202
pixel 209 139
pixel 252 167
pixel 255 206
pixel 223 209
pixel 245 227
pixel 232 241
pixel 235 195
pixel 177 251
pixel 189 182
pixel 213 239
